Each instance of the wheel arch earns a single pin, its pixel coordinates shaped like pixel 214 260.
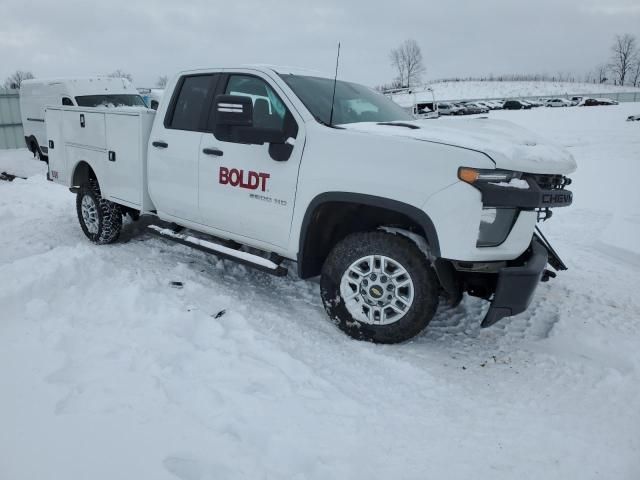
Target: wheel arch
pixel 82 172
pixel 331 216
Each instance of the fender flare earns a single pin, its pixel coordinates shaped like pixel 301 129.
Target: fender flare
pixel 415 214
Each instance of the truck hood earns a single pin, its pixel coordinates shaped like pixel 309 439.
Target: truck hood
pixel 509 146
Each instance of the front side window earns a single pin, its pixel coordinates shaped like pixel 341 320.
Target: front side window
pixel 268 110
pixel 353 103
pixel 110 100
pixel 190 103
pixel 66 101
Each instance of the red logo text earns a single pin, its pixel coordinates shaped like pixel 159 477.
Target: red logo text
pixel 239 178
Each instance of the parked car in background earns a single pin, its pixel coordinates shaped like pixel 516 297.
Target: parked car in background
pixel 516 105
pixel 589 102
pixel 558 102
pixel 448 109
pixel 607 101
pixel 633 118
pixel 37 94
pixel 472 108
pixel 462 109
pixel 486 104
pixel 534 103
pixel 576 100
pixel 483 108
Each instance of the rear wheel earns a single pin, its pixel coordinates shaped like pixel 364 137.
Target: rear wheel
pixel 100 219
pixel 379 287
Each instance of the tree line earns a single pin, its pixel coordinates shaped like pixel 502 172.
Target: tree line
pixel 622 68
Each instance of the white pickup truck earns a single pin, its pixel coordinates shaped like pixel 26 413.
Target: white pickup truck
pixel 262 164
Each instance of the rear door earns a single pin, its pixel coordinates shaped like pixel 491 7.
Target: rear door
pixel 58 170
pixel 243 188
pixel 174 147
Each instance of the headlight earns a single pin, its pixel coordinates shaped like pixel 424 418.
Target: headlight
pixel 473 175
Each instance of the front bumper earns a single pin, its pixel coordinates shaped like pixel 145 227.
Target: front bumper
pixel 536 196
pixel 516 285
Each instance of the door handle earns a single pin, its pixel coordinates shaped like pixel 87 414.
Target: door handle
pixel 160 144
pixel 213 151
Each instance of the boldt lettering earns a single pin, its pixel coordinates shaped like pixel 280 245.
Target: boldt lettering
pixel 238 178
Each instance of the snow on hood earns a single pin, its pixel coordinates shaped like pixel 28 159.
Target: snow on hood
pixel 510 147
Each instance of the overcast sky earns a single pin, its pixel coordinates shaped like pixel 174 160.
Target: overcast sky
pixel 458 37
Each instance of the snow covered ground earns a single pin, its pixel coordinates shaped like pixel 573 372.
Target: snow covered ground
pixel 107 372
pixel 464 90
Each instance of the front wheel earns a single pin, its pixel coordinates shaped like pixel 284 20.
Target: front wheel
pixel 100 219
pixel 379 287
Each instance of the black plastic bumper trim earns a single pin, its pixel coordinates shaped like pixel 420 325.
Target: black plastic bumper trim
pixel 533 197
pixel 517 285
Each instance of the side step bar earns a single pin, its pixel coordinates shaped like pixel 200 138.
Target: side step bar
pixel 248 259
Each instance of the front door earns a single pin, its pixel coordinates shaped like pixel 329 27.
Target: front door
pixel 174 148
pixel 248 190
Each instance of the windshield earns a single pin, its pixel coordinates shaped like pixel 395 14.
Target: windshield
pixel 354 103
pixel 110 101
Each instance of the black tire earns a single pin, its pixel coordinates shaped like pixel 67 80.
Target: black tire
pixel 108 216
pixel 33 148
pixel 401 250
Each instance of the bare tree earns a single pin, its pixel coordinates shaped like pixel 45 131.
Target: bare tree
pixel 407 60
pixel 162 81
pixel 15 79
pixel 635 71
pixel 623 52
pixel 121 74
pixel 601 73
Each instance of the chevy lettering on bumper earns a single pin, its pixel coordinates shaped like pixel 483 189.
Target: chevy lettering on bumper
pixel 530 198
pixel 544 191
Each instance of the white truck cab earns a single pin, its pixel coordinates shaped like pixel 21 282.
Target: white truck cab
pixel 37 94
pixel 265 164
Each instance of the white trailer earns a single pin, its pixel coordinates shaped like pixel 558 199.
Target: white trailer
pixel 37 94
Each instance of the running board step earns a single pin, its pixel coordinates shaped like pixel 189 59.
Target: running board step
pixel 248 259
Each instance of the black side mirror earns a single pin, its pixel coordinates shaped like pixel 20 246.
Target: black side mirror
pixel 234 122
pixel 234 111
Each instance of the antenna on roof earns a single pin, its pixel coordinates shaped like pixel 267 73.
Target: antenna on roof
pixel 335 80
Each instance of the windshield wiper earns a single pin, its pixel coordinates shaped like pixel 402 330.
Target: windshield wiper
pixel 321 122
pixel 400 124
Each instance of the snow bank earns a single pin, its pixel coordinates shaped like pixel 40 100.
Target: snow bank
pixel 623 233
pixel 20 163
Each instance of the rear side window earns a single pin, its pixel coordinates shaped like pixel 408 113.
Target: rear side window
pixel 110 100
pixel 190 103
